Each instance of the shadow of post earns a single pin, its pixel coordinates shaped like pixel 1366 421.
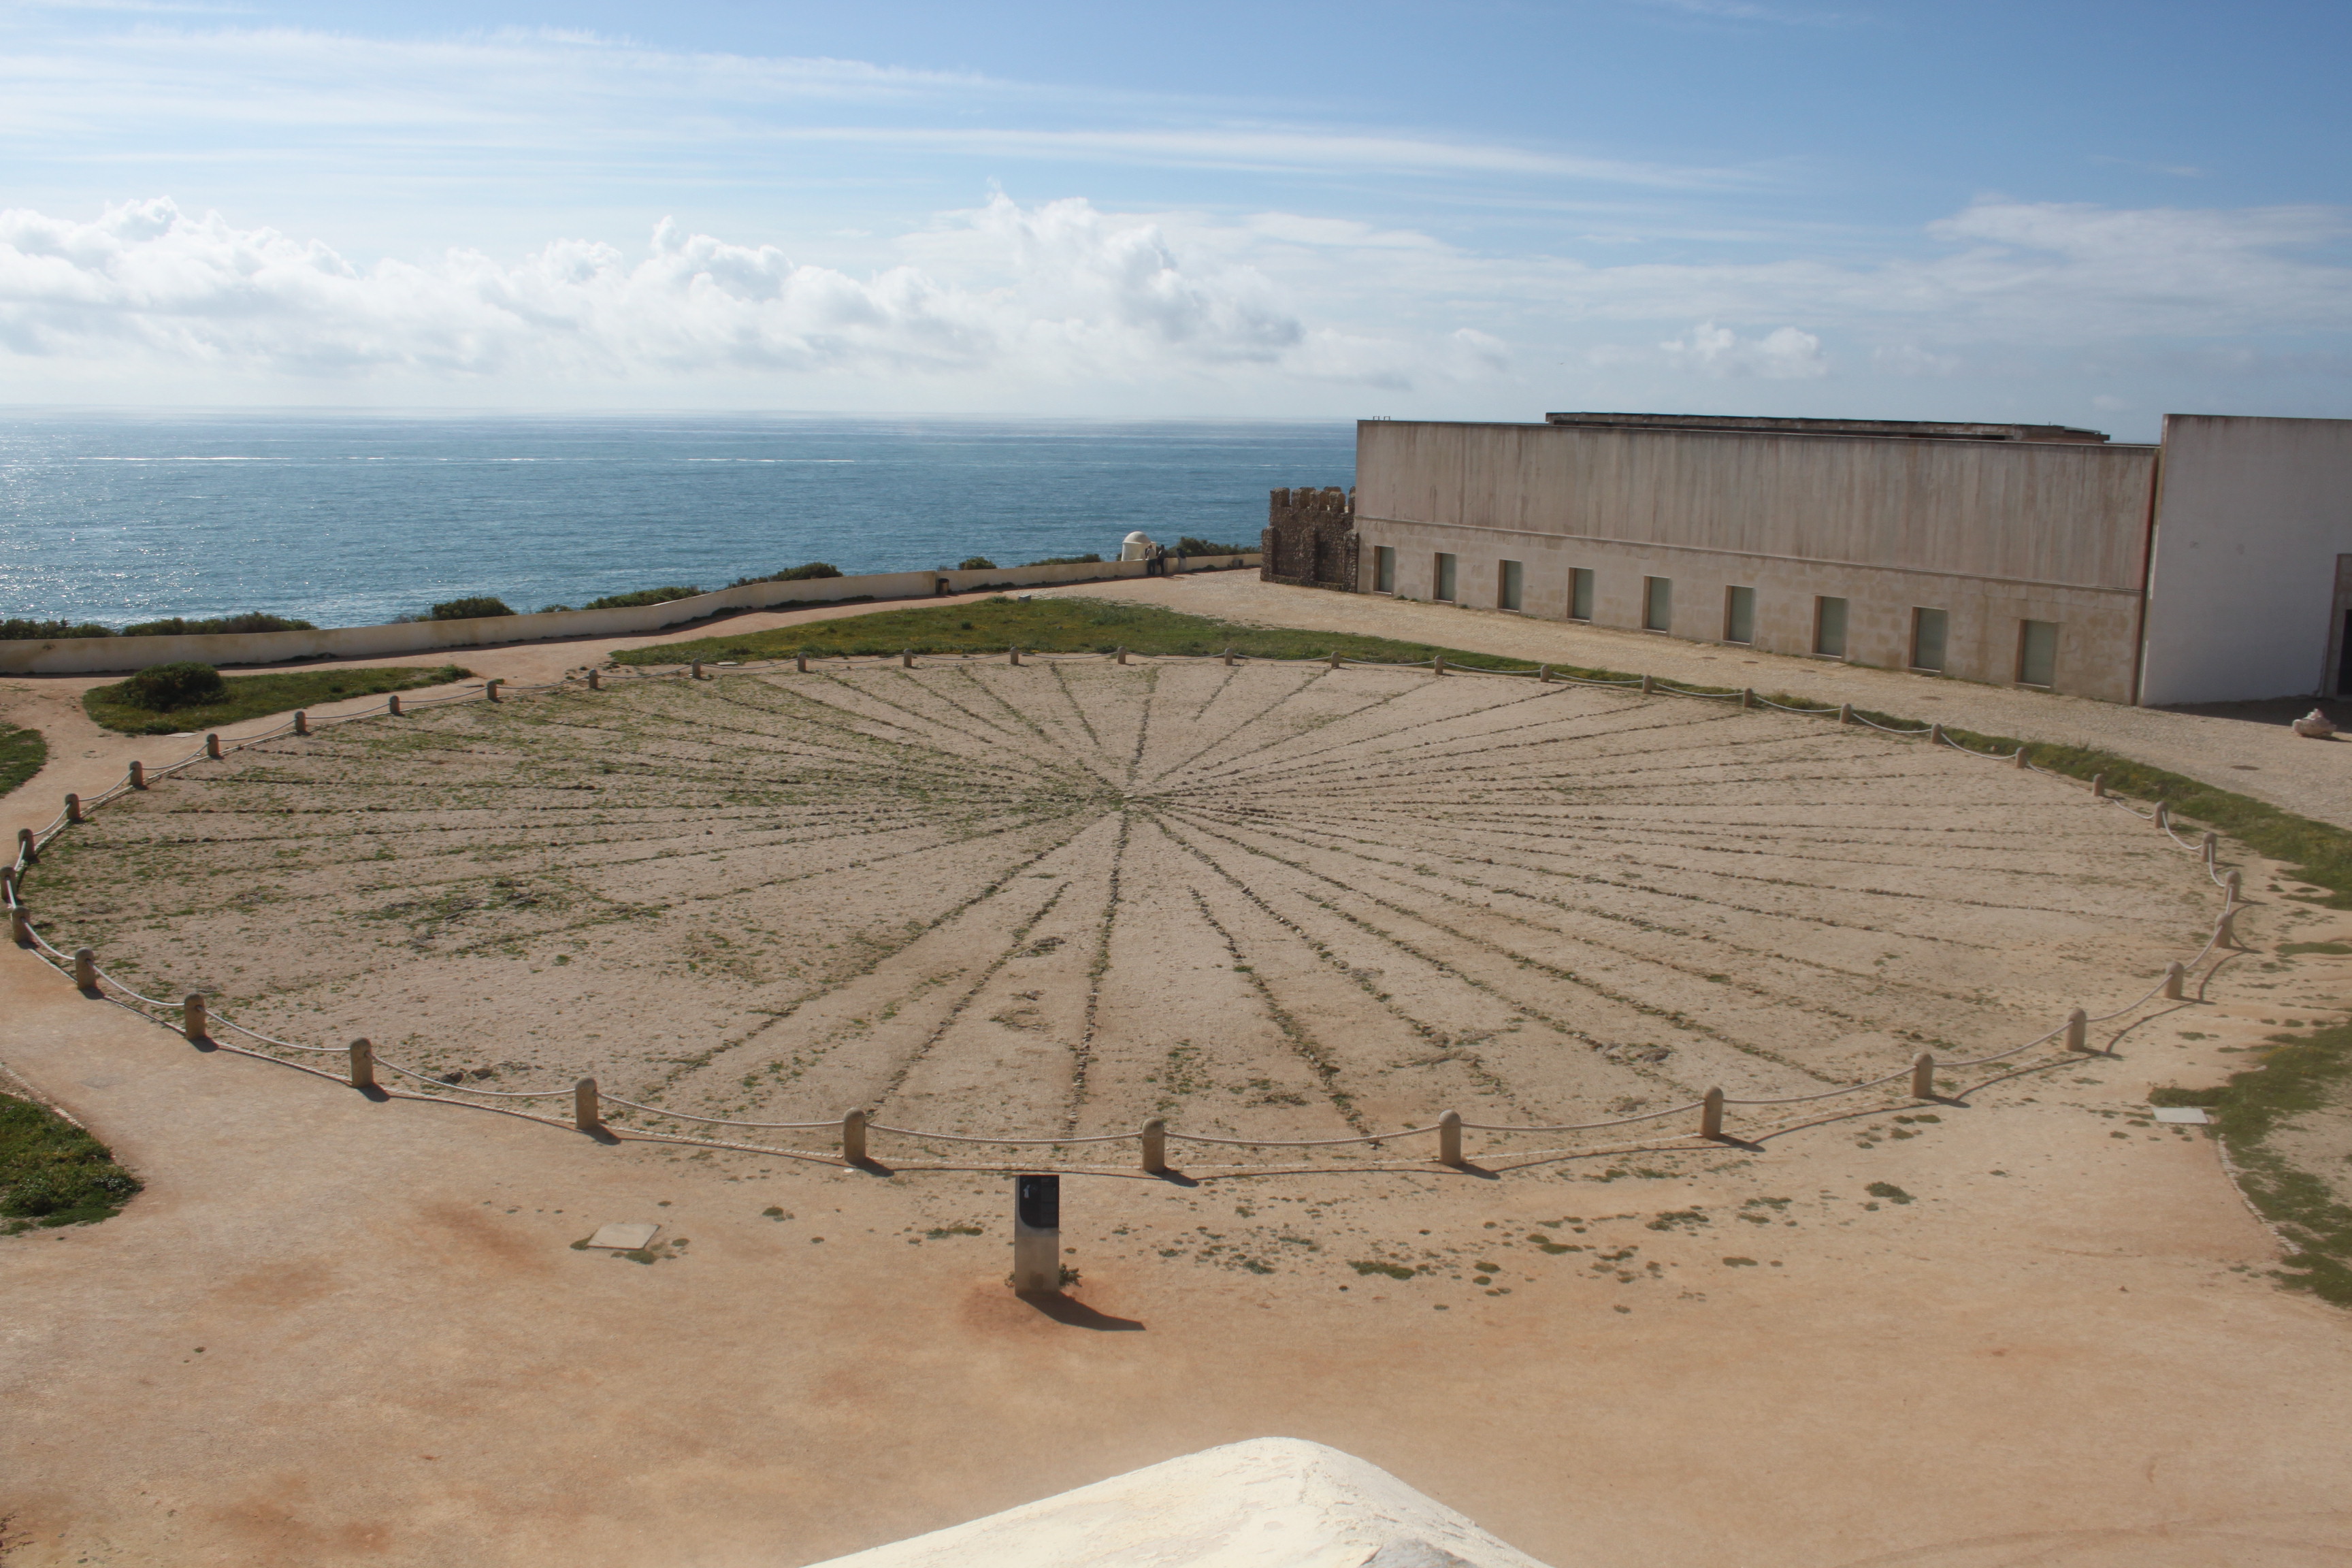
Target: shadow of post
pixel 1076 1314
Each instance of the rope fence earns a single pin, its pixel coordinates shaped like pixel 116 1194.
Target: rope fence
pixel 196 1020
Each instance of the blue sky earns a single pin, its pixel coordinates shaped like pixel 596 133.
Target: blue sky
pixel 2088 214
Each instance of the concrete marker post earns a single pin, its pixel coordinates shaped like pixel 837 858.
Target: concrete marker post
pixel 363 1064
pixel 853 1137
pixel 84 969
pixel 1746 698
pixel 212 747
pixel 1922 1076
pixel 595 681
pixel 1155 1146
pixel 2212 848
pixel 1229 655
pixel 1335 658
pixel 28 848
pixel 192 1022
pixel 698 671
pixel 585 1113
pixel 2175 974
pixel 20 932
pixel 800 662
pixel 137 775
pixel 490 690
pixel 2022 758
pixel 301 722
pixel 2078 1030
pixel 73 806
pixel 1648 686
pixel 2098 786
pixel 1122 652
pixel 392 706
pixel 1935 734
pixel 2163 818
pixel 1710 1114
pixel 2231 882
pixel 1038 1234
pixel 1845 713
pixel 1543 674
pixel 906 658
pixel 1012 656
pixel 1449 1138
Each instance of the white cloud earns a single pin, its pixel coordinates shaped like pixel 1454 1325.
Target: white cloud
pixel 1783 354
pixel 1059 292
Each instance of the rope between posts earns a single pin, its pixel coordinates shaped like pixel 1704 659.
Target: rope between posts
pixel 1588 1126
pixel 720 1120
pixel 1297 1142
pixel 494 1093
pixel 1832 1093
pixel 961 1138
pixel 271 1039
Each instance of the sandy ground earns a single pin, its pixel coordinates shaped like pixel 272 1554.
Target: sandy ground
pixel 340 1330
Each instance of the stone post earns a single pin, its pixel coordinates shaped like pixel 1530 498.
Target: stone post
pixel 1648 686
pixel 1038 1234
pixel 595 680
pixel 1935 734
pixel 584 1112
pixel 907 658
pixel 1155 1145
pixel 2175 974
pixel 2098 786
pixel 2023 759
pixel 1845 713
pixel 2231 883
pixel 1922 1076
pixel 2212 848
pixel 20 931
pixel 1710 1114
pixel 1438 664
pixel 212 747
pixel 1746 698
pixel 28 849
pixel 1012 656
pixel 1543 673
pixel 1122 652
pixel 138 776
pixel 2078 1030
pixel 193 1023
pixel 1335 658
pixel 1229 655
pixel 800 661
pixel 2163 817
pixel 1449 1138
pixel 84 969
pixel 363 1064
pixel 853 1137
pixel 73 806
pixel 695 673
pixel 301 722
pixel 391 705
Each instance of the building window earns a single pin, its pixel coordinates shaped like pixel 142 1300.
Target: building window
pixel 1657 603
pixel 1739 615
pixel 1444 578
pixel 1580 595
pixel 1829 627
pixel 1507 590
pixel 1928 629
pixel 2037 653
pixel 1383 569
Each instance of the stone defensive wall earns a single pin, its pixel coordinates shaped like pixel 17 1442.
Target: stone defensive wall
pixel 1310 539
pixel 97 656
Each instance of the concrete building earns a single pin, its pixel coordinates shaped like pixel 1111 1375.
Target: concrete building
pixel 2215 566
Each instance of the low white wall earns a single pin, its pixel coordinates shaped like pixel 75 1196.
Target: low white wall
pixel 96 655
pixel 2252 515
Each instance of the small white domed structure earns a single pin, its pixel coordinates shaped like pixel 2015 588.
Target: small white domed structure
pixel 1137 547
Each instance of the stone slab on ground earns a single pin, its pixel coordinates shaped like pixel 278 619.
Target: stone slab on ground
pixel 624 1236
pixel 1269 1502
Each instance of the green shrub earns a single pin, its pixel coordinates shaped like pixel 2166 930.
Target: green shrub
pixel 252 621
pixel 1190 545
pixel 21 630
pixel 1087 560
pixel 791 575
pixel 475 608
pixel 53 1173
pixel 160 688
pixel 642 596
pixel 975 563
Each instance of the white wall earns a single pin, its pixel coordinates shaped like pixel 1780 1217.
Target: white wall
pixel 94 655
pixel 2250 516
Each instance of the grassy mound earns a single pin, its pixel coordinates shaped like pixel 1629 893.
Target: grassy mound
pixel 21 752
pixel 53 1173
pixel 117 707
pixel 160 687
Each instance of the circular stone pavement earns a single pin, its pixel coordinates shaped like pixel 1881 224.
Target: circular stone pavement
pixel 1270 900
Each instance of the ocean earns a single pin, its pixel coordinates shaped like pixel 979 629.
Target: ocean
pixel 351 519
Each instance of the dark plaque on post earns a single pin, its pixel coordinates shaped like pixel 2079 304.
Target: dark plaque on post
pixel 1038 1202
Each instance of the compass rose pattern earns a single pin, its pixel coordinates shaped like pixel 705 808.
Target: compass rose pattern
pixel 1262 900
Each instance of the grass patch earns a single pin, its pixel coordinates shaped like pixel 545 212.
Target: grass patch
pixel 21 752
pixel 1375 1266
pixel 53 1173
pixel 1889 1190
pixel 252 696
pixel 2332 949
pixel 1053 626
pixel 2297 1077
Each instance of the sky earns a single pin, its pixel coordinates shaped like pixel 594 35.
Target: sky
pixel 2085 214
